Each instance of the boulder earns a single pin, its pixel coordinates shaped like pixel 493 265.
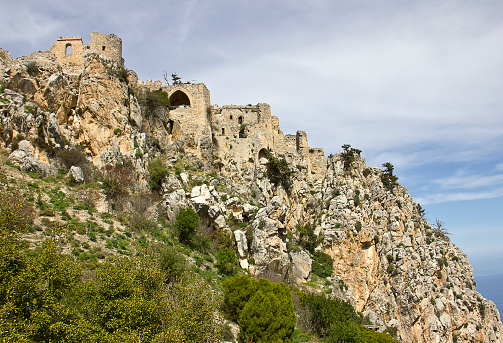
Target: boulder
pixel 220 222
pixel 77 174
pixel 23 157
pixel 185 178
pixel 301 264
pixel 241 243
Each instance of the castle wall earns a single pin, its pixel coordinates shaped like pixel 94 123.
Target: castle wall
pixel 107 46
pixel 69 53
pixel 234 134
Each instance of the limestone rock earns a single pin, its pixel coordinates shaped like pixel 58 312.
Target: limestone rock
pixel 77 174
pixel 241 243
pixel 185 178
pixel 268 245
pixel 24 158
pixel 301 264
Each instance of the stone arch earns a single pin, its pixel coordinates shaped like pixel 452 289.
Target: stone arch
pixel 68 49
pixel 179 98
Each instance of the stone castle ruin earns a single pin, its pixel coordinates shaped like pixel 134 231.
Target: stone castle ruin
pixel 233 139
pixel 70 51
pixel 239 134
pixel 387 261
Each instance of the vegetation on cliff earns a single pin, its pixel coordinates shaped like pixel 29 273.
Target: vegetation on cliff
pixel 120 225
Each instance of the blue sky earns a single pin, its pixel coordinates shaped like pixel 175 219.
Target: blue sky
pixel 414 83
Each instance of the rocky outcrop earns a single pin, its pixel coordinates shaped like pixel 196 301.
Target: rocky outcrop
pixel 24 158
pixel 402 273
pixel 399 271
pixel 269 239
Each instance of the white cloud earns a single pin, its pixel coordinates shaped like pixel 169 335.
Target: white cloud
pixel 436 198
pixel 463 180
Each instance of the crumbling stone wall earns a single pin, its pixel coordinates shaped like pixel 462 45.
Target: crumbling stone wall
pixel 69 54
pixel 107 46
pixel 70 51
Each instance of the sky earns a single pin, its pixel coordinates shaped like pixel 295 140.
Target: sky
pixel 415 83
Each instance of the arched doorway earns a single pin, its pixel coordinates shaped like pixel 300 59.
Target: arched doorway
pixel 179 98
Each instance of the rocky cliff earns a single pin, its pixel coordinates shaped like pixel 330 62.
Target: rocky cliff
pixel 235 167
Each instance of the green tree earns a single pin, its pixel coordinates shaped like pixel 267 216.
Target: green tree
pixel 227 261
pixel 237 291
pixel 387 178
pixel 263 310
pixel 349 155
pixel 268 316
pixel 328 311
pixel 187 221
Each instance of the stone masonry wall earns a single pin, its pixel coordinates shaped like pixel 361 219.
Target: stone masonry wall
pixel 107 46
pixel 69 53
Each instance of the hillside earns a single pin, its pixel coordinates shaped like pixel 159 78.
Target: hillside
pixel 106 163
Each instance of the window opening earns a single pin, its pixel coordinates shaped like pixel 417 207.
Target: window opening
pixel 240 120
pixel 223 132
pixel 103 48
pixel 68 49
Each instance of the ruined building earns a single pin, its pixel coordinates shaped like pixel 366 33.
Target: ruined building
pixel 70 51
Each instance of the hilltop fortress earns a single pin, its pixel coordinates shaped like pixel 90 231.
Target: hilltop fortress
pixel 75 104
pixel 231 138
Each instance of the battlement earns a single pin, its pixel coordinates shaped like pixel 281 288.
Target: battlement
pixel 70 51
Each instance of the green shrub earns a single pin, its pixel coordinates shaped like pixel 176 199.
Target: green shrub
pixel 15 141
pixel 322 265
pixel 32 68
pixel 307 239
pixel 116 182
pixel 326 312
pixel 263 310
pixel 186 223
pixel 278 171
pixel 158 171
pixel 122 75
pixel 156 98
pixel 227 262
pixel 268 316
pixel 173 264
pixel 237 291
